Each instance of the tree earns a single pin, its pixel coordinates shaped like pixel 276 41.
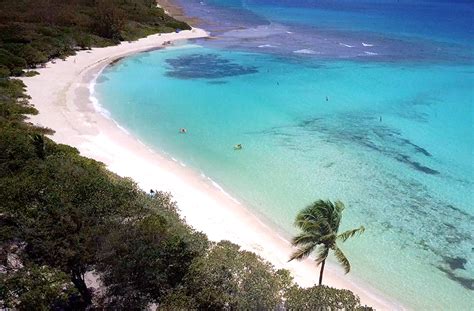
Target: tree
pixel 31 55
pixel 145 258
pixel 35 288
pixel 110 20
pixel 227 278
pixel 61 205
pixel 319 225
pixel 322 298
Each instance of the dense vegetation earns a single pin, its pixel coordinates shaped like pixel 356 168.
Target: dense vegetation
pixel 65 219
pixel 35 31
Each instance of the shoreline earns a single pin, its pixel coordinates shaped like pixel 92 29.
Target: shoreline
pixel 176 11
pixel 62 94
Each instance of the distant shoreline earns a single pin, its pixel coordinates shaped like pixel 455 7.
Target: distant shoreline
pixel 176 11
pixel 62 95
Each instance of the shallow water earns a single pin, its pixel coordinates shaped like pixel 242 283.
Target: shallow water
pixel 390 134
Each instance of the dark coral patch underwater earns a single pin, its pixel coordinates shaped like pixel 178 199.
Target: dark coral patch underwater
pixel 205 66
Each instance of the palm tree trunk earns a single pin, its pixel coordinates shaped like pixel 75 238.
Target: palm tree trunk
pixel 321 272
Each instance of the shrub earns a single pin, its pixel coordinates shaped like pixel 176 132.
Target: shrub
pixel 322 298
pixel 13 62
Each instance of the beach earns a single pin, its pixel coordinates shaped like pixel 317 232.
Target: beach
pixel 62 95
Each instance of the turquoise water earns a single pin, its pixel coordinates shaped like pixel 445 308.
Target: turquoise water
pixel 394 141
pixel 367 101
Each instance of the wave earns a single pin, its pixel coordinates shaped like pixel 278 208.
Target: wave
pixel 267 46
pixel 218 187
pixel 121 127
pixel 98 107
pixel 95 102
pixel 260 31
pixel 346 45
pixel 305 51
pixel 370 53
pixel 367 44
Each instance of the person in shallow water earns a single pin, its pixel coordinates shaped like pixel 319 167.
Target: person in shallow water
pixel 238 147
pixel 183 130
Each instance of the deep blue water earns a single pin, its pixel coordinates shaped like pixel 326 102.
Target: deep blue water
pixel 390 30
pixel 370 102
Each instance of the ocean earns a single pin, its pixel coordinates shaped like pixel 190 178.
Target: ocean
pixel 369 102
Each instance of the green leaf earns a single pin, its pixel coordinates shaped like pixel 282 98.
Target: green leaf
pixel 303 252
pixel 342 259
pixel 351 233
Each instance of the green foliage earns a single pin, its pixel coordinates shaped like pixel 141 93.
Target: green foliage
pixel 4 71
pixel 30 54
pixel 227 278
pixel 109 20
pixel 13 105
pixel 11 63
pixel 35 31
pixel 319 225
pixel 148 256
pixel 322 298
pixel 49 193
pixel 35 288
pixel 31 73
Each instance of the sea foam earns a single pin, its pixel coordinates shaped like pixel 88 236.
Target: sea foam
pixel 346 45
pixel 305 51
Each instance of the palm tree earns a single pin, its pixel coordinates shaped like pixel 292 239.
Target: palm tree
pixel 319 224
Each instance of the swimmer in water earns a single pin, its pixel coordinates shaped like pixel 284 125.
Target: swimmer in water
pixel 183 130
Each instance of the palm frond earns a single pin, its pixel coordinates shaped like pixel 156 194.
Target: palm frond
pixel 337 215
pixel 318 212
pixel 309 213
pixel 342 259
pixel 328 239
pixel 302 252
pixel 323 253
pixel 327 207
pixel 305 238
pixel 322 226
pixel 339 206
pixel 350 233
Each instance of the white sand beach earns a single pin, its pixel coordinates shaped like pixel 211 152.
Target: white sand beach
pixel 61 93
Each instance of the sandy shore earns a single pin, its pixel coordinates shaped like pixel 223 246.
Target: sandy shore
pixel 61 93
